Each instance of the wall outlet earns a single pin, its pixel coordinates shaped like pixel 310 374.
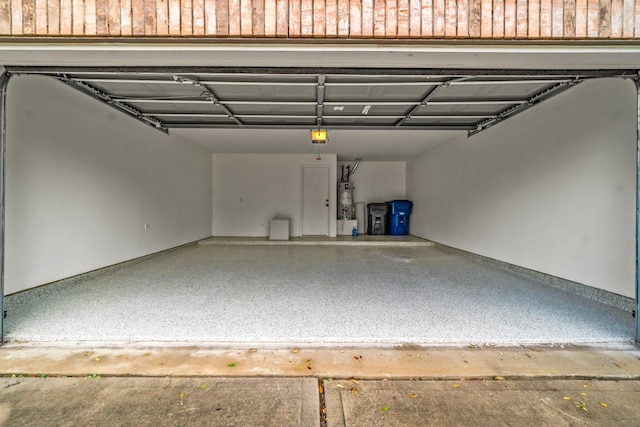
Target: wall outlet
pixel 147 226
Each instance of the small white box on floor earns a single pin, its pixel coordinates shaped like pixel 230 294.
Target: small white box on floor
pixel 344 227
pixel 279 229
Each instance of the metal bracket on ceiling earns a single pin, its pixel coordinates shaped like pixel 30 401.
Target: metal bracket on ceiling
pixel 209 95
pixel 115 103
pixel 205 90
pixel 427 98
pixel 635 76
pixel 523 106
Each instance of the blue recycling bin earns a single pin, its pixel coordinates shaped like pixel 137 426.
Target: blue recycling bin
pixel 399 211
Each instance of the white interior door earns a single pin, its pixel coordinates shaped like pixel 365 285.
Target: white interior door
pixel 315 201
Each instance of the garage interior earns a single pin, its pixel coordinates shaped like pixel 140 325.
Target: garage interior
pixel 534 169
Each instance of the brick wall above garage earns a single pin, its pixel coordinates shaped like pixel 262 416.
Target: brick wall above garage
pixel 357 19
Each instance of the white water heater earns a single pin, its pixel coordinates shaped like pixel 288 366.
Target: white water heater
pixel 345 201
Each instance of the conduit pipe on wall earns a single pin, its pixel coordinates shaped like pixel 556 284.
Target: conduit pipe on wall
pixel 4 82
pixel 350 171
pixel 637 82
pixel 354 168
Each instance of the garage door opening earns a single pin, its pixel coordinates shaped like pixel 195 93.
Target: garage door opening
pixel 444 102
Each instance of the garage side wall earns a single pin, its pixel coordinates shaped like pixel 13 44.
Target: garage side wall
pixel 84 179
pixel 552 190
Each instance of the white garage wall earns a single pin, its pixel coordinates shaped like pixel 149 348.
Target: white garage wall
pixel 377 181
pixel 84 179
pixel 552 189
pixel 250 189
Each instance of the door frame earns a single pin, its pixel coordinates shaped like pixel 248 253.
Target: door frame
pixel 328 168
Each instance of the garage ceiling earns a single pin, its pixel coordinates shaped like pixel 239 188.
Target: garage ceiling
pixel 354 99
pixel 319 100
pixel 181 99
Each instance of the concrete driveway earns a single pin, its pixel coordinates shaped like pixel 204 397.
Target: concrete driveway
pixel 316 386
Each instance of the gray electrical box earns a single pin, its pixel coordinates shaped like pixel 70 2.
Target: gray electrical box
pixel 279 228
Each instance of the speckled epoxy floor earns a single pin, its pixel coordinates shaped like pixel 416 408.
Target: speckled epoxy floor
pixel 312 294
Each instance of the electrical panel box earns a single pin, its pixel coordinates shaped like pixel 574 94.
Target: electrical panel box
pixel 279 229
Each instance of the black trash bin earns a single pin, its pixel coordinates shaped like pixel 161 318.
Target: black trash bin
pixel 399 217
pixel 377 218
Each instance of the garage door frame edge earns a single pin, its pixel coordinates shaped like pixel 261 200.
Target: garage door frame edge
pixel 4 82
pixel 637 312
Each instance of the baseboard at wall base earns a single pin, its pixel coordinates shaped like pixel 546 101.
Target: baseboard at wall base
pixel 605 297
pixel 109 269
